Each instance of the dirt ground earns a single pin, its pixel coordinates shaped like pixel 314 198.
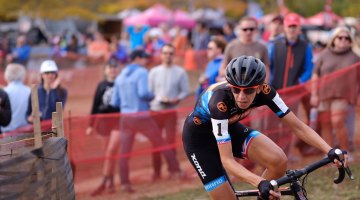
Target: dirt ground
pixel 144 188
pixel 143 185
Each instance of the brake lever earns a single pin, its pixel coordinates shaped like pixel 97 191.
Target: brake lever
pixel 340 154
pixel 348 172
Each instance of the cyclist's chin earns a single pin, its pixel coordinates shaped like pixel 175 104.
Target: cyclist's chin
pixel 243 105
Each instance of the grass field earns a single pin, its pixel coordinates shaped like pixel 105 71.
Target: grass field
pixel 319 186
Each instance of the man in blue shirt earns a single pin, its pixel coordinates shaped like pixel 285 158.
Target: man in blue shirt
pixel 136 35
pixel 215 54
pixel 21 53
pixel 132 95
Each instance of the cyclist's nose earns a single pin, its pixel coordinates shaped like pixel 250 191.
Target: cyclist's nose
pixel 241 96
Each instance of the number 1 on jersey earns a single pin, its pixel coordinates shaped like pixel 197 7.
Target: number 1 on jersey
pixel 219 129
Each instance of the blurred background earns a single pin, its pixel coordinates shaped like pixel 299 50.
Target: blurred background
pixel 81 36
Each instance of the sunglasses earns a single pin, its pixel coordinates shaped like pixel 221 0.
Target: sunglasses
pixel 293 26
pixel 246 90
pixel 49 73
pixel 248 29
pixel 168 53
pixel 344 38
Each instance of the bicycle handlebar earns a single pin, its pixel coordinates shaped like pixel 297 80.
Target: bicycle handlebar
pixel 293 175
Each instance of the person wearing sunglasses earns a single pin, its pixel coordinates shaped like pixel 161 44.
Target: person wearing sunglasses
pixel 245 44
pixel 334 98
pixel 215 141
pixel 214 52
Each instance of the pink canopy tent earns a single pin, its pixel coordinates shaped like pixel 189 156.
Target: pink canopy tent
pixel 183 19
pixel 158 14
pixel 325 18
pixel 152 16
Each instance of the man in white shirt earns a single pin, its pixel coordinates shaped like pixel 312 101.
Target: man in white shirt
pixel 169 83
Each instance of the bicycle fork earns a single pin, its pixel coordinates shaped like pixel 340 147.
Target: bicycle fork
pixel 295 186
pixel 298 191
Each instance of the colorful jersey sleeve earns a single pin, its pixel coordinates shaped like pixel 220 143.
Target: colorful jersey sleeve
pixel 219 105
pixel 268 96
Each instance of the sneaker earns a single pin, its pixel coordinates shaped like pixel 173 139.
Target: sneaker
pixel 111 189
pixel 98 190
pixel 156 178
pixel 127 188
pixel 180 175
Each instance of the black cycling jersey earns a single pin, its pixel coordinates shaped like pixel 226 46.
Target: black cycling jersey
pixel 214 122
pixel 217 105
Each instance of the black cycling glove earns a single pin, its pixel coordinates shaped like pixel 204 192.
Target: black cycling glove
pixel 333 155
pixel 264 189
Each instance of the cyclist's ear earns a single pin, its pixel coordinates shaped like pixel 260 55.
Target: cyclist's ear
pixel 258 90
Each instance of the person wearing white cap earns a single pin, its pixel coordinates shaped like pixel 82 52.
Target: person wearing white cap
pixel 49 91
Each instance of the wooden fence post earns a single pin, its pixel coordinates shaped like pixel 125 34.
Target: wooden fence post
pixel 36 116
pixel 59 119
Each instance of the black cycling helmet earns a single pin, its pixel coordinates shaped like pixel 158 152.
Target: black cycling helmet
pixel 245 71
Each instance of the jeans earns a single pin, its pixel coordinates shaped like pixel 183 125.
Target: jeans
pixel 130 125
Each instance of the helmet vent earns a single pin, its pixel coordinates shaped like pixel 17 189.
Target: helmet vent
pixel 243 73
pixel 252 73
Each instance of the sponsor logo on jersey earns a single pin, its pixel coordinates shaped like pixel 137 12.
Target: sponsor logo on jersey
pixel 266 88
pixel 197 165
pixel 197 121
pixel 221 106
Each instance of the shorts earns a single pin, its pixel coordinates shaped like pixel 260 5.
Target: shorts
pixel 333 104
pixel 202 150
pixel 105 124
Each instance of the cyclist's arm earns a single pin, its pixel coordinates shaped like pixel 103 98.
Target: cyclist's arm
pixel 305 133
pixel 221 133
pixel 235 168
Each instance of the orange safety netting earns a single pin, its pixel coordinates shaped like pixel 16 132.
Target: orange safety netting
pixel 87 152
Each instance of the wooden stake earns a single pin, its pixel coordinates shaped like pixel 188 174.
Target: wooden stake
pixel 54 123
pixel 36 116
pixel 60 122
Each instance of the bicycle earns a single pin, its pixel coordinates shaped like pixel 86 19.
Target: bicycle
pixel 293 177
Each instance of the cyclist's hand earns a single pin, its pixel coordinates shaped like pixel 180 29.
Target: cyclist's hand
pixel 266 191
pixel 274 195
pixel 338 156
